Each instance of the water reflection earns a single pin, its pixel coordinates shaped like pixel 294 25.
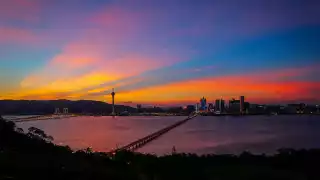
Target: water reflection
pixel 201 135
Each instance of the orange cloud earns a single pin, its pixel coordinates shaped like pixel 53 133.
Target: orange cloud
pixel 262 88
pixel 259 87
pixel 49 81
pixel 65 86
pixel 70 63
pixel 191 91
pixel 100 49
pixel 89 55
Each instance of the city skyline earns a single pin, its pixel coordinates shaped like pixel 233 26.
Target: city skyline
pixel 160 52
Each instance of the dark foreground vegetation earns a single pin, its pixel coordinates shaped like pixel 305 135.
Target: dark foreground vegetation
pixel 31 155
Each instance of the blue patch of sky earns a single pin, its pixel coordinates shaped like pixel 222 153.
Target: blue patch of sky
pixel 269 52
pixel 20 60
pixel 296 47
pixel 286 49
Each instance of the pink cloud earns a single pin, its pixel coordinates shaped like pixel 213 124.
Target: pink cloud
pixel 102 49
pixel 24 10
pixel 94 59
pixel 86 56
pixel 118 20
pixel 278 75
pixel 133 64
pixel 11 34
pixel 76 55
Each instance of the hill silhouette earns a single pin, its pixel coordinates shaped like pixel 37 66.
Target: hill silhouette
pixel 35 107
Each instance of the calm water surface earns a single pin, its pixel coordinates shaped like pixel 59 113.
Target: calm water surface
pixel 204 134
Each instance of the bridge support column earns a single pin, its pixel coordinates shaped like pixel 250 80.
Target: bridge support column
pixel 57 111
pixel 65 110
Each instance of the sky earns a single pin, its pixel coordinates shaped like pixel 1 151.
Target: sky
pixel 160 52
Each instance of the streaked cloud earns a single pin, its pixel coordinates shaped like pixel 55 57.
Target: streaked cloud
pixel 96 57
pixel 16 35
pixel 267 86
pixel 20 10
pixel 260 87
pixel 160 51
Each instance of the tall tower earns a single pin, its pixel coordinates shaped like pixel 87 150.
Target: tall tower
pixel 113 94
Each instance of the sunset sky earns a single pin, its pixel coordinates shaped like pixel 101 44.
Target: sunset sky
pixel 160 52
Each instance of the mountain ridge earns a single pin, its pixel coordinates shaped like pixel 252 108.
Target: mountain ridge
pixel 33 107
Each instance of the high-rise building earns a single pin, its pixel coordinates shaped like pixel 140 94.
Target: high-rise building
pixel 197 107
pixel 203 103
pixel 210 107
pixel 242 108
pixel 222 105
pixel 219 105
pixel 234 106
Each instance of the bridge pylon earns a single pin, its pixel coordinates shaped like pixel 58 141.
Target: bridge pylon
pixel 65 110
pixel 57 111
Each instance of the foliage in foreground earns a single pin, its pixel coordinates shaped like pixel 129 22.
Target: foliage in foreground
pixel 32 156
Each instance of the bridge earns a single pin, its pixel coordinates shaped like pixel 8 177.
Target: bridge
pixel 57 115
pixel 149 138
pixel 43 117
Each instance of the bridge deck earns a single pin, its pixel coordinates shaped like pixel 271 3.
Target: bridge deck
pixel 147 139
pixel 41 117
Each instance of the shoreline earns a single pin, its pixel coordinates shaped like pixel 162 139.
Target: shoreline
pixel 148 115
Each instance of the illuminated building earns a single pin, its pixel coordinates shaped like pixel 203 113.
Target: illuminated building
pixel 197 107
pixel 210 107
pixel 203 104
pixel 299 107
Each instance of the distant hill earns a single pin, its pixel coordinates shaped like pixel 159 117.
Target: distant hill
pixel 31 107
